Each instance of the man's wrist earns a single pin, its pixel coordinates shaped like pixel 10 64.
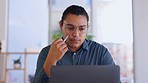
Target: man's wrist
pixel 47 66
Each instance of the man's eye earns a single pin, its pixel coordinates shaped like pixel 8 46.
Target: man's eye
pixel 70 28
pixel 81 29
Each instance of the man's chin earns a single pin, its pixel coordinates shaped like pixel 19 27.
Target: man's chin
pixel 75 46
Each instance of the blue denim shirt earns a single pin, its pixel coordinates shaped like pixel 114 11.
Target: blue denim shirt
pixel 90 53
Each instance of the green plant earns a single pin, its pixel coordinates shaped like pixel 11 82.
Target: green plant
pixel 56 35
pixel 89 37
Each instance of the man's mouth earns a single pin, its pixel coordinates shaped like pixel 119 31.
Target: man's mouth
pixel 74 39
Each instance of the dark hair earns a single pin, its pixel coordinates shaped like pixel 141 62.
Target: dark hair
pixel 74 9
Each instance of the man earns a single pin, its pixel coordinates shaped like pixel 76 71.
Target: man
pixel 72 48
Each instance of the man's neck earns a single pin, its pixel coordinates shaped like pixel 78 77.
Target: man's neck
pixel 73 49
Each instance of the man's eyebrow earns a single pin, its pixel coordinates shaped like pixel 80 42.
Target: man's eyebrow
pixel 75 26
pixel 82 25
pixel 70 24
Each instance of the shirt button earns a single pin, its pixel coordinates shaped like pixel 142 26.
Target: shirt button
pixel 74 54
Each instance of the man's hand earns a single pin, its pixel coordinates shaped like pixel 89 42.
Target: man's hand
pixel 56 52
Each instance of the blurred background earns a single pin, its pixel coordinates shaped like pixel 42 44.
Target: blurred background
pixel 33 24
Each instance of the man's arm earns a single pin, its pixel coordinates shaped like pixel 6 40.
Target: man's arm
pixel 56 52
pixel 40 75
pixel 107 58
pixel 47 59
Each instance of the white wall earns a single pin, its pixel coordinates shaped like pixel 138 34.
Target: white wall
pixel 28 25
pixel 140 16
pixel 28 29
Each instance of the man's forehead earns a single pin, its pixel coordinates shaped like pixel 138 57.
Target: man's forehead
pixel 78 25
pixel 72 17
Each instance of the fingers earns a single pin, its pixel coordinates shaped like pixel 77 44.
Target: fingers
pixel 65 49
pixel 57 50
pixel 60 45
pixel 57 41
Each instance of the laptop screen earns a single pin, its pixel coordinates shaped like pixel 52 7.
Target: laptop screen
pixel 85 74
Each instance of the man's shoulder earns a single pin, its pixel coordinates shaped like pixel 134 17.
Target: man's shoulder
pixel 93 43
pixel 46 48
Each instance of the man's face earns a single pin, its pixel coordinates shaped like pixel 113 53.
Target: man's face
pixel 76 27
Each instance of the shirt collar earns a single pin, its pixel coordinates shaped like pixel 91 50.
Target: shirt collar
pixel 85 44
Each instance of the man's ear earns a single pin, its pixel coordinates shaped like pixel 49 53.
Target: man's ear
pixel 61 24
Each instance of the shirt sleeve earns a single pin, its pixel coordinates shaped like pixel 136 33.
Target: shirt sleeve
pixel 40 75
pixel 107 58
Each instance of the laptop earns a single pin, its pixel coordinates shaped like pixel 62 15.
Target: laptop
pixel 85 74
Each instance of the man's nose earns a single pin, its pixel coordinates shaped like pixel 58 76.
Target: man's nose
pixel 76 32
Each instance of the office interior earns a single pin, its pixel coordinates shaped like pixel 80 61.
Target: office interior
pixel 26 26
